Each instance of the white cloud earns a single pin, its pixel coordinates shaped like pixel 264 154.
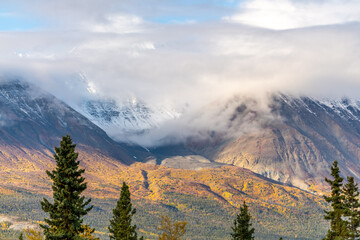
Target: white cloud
pixel 187 66
pixel 289 14
pixel 118 24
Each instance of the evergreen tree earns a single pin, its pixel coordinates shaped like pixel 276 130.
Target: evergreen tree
pixel 120 226
pixel 242 229
pixel 280 238
pixel 351 204
pixel 66 213
pixel 21 237
pixel 338 229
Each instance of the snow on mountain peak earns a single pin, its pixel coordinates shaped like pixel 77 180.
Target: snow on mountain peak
pixel 129 117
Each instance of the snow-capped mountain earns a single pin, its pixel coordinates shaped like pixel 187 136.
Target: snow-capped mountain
pixel 33 121
pixel 119 118
pixel 295 143
pixel 348 109
pixel 126 118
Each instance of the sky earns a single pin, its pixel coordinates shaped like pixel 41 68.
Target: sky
pixel 182 53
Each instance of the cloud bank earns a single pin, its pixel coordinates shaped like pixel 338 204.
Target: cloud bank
pixel 113 50
pixel 290 14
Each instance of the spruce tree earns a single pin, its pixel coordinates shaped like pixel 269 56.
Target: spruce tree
pixel 120 226
pixel 21 237
pixel 69 207
pixel 242 229
pixel 351 204
pixel 338 228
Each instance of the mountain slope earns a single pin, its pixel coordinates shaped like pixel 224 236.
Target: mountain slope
pixel 299 145
pixel 207 199
pixel 121 121
pixel 33 121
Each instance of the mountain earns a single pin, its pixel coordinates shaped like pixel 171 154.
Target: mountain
pixel 295 142
pixel 32 123
pixel 121 120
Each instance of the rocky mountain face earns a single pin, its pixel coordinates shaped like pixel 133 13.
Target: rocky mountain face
pixel 297 146
pixel 294 142
pixel 33 121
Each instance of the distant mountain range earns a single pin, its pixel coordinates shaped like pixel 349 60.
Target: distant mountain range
pixel 293 141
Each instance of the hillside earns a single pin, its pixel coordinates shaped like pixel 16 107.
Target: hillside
pixel 300 149
pixel 289 139
pixel 208 199
pixel 32 123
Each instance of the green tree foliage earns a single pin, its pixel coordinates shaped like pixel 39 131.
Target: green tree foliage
pixel 21 237
pixel 242 229
pixel 66 213
pixel 120 226
pixel 171 230
pixel 338 227
pixel 351 204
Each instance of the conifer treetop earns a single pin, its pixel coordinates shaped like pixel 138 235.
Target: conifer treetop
pixel 242 229
pixel 338 226
pixel 352 205
pixel 69 207
pixel 120 226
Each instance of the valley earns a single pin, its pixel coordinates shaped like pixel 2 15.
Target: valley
pixel 279 172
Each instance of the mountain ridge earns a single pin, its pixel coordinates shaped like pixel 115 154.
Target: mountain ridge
pixel 26 152
pixel 34 119
pixel 300 148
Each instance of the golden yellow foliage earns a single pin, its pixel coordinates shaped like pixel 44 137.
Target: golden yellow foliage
pixel 88 233
pixel 33 234
pixel 4 226
pixel 171 230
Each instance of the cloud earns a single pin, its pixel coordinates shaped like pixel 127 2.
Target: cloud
pixel 290 14
pixel 226 118
pixel 113 53
pixel 118 24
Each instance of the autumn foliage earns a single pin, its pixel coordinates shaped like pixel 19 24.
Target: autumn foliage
pixel 170 230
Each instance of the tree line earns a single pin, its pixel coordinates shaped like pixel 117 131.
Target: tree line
pixel 66 212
